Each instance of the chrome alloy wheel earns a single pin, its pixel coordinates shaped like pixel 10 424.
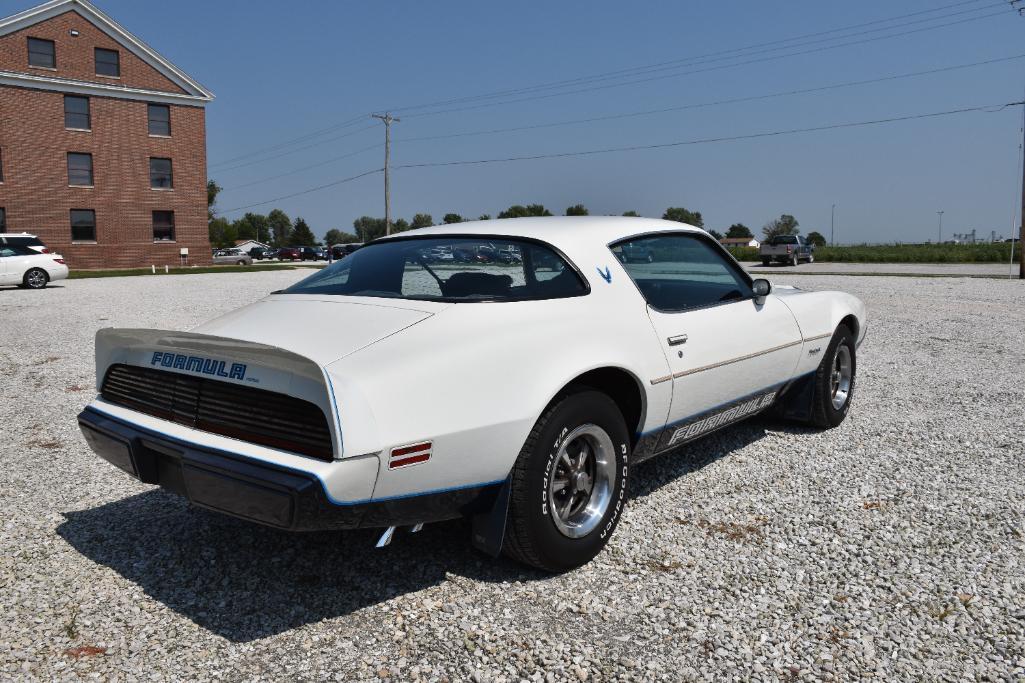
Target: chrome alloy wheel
pixel 840 377
pixel 36 278
pixel 582 480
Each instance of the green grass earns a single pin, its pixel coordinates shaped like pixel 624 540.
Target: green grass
pixel 902 253
pixel 129 272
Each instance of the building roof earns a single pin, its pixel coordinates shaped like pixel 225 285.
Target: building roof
pixel 737 240
pixel 195 93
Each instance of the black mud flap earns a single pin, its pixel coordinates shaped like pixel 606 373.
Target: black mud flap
pixel 488 526
pixel 795 402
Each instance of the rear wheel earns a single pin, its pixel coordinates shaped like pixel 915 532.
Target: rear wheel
pixel 241 263
pixel 834 380
pixel 766 262
pixel 811 258
pixel 569 483
pixel 35 278
pixel 793 259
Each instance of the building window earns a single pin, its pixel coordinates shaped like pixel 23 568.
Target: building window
pixel 42 53
pixel 83 225
pixel 76 112
pixel 160 120
pixel 163 226
pixel 160 174
pixel 108 62
pixel 80 169
pixel 3 220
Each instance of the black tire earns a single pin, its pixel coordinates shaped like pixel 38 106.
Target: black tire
pixel 766 262
pixel 824 413
pixel 793 260
pixel 532 534
pixel 35 278
pixel 241 263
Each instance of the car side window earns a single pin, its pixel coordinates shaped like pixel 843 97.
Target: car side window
pixel 7 251
pixel 679 272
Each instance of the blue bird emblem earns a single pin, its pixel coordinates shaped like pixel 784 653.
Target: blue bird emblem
pixel 605 274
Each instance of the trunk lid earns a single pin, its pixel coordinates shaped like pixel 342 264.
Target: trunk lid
pixel 321 328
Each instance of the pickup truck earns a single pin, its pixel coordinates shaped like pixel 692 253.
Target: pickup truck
pixel 789 249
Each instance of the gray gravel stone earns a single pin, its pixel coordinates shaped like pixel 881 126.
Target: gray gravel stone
pixel 889 548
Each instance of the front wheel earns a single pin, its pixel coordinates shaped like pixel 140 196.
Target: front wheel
pixel 811 258
pixel 35 278
pixel 569 483
pixel 834 380
pixel 766 262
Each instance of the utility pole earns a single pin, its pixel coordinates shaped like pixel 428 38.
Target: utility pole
pixel 388 120
pixel 939 231
pixel 832 222
pixel 1021 224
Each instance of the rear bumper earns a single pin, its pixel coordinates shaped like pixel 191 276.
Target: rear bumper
pixel 259 491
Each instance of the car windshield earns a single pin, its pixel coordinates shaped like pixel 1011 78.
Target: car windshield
pixel 455 269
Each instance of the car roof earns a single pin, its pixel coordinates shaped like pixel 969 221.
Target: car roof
pixel 566 233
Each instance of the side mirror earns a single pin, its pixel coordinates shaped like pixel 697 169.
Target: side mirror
pixel 761 288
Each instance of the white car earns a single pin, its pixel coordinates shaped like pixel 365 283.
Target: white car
pixel 25 266
pixel 390 389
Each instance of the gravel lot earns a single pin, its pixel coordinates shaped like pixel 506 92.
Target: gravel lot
pixel 891 547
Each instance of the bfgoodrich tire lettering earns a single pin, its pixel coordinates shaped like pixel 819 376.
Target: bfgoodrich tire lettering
pixel 537 533
pixel 835 380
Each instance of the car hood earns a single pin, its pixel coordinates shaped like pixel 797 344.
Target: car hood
pixel 321 328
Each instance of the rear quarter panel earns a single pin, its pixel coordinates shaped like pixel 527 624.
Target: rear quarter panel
pixel 475 378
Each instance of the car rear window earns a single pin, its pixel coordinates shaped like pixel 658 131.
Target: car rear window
pixel 783 239
pixel 457 269
pixel 23 241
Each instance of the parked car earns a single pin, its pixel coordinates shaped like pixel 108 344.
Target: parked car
pixel 636 253
pixel 289 254
pixel 235 256
pixel 261 253
pixel 26 267
pixel 23 239
pixel 340 251
pixel 789 249
pixel 309 254
pixel 355 417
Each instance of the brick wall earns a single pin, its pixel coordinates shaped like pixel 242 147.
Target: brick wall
pixel 75 55
pixel 35 192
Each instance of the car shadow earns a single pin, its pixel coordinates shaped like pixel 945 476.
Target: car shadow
pixel 243 581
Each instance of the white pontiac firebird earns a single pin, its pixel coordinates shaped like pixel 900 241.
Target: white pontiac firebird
pixel 509 371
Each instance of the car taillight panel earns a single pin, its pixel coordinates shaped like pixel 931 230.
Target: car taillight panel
pixel 59 260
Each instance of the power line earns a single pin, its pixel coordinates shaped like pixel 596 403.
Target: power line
pixel 680 143
pixel 703 70
pixel 304 168
pixel 648 112
pixel 293 151
pixel 632 71
pixel 345 124
pixel 632 148
pixel 308 191
pixel 712 103
pixel 713 56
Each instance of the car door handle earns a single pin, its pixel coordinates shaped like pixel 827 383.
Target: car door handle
pixel 677 340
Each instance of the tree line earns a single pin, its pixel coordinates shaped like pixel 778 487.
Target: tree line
pixel 278 230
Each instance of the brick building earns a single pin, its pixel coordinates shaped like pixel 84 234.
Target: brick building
pixel 102 141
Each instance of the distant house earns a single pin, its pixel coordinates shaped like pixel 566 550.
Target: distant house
pixel 740 242
pixel 246 245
